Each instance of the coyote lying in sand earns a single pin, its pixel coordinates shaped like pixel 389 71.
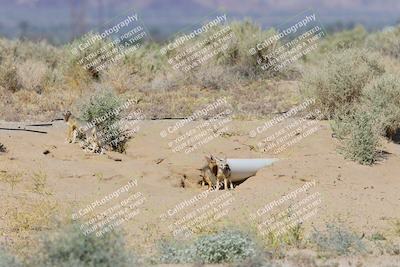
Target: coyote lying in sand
pixel 76 129
pixel 216 172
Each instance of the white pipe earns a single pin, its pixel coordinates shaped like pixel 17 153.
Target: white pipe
pixel 242 169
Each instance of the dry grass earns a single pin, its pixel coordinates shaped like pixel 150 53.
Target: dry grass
pixel 24 223
pixel 40 183
pixel 32 75
pixel 38 81
pixel 10 178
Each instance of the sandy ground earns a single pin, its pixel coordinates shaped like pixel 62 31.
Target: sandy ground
pixel 366 199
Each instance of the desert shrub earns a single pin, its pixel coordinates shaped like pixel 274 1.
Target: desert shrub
pixel 169 81
pixel 32 75
pixel 337 240
pixel 216 77
pixel 382 97
pixel 103 109
pixel 146 62
pixel 8 75
pixel 175 252
pixel 70 247
pixel 387 42
pixel 11 178
pixel 339 81
pixel 87 57
pixel 360 137
pixel 248 35
pixel 7 260
pixel 341 122
pixel 363 143
pixel 225 246
pixel 22 50
pixel 119 77
pixel 345 39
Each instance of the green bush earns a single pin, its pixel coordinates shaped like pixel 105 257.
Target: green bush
pixel 386 42
pixel 103 109
pixel 247 35
pixel 174 252
pixel 6 260
pixel 363 142
pixel 225 246
pixel 359 134
pixel 71 248
pixel 344 40
pixel 339 81
pixel 382 97
pixel 337 240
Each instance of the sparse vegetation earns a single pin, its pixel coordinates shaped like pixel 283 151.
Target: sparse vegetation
pixel 32 75
pixel 6 260
pixel 386 42
pixel 35 216
pixel 11 178
pixel 377 237
pixel 396 227
pixel 339 82
pixel 346 76
pixel 337 240
pixel 103 110
pixel 363 141
pixel 69 247
pixel 8 75
pixel 382 97
pixel 40 182
pixel 346 39
pixel 293 237
pixel 225 246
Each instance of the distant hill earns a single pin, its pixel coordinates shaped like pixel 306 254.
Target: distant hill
pixel 46 17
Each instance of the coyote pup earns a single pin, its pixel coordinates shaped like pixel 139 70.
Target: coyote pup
pixel 209 172
pixel 224 174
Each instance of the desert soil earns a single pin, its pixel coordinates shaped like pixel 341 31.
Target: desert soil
pixel 366 199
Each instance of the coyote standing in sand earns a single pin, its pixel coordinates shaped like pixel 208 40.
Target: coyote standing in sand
pixel 76 129
pixel 209 172
pixel 224 174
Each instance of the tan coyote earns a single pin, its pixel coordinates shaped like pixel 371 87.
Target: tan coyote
pixel 224 174
pixel 76 129
pixel 209 172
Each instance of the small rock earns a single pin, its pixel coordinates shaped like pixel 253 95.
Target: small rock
pixel 158 161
